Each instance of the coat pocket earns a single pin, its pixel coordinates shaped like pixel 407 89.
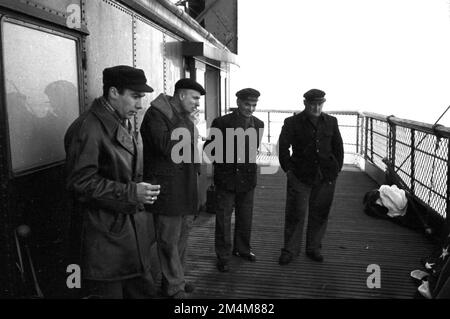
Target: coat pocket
pixel 110 223
pixel 118 224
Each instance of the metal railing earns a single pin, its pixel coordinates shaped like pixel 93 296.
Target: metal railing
pixel 418 152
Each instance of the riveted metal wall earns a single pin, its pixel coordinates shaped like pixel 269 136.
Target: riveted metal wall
pixel 57 7
pixel 110 41
pixel 173 63
pixel 149 56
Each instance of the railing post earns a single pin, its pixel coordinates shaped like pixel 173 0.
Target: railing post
pixel 361 146
pixel 357 133
pixel 447 208
pixel 366 130
pixel 371 139
pixel 413 147
pixel 392 140
pixel 268 127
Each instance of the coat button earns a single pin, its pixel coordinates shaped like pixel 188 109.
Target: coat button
pixel 118 194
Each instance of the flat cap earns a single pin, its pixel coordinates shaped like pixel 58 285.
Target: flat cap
pixel 127 77
pixel 190 84
pixel 315 95
pixel 248 93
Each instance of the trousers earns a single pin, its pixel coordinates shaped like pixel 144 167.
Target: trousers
pixel 304 200
pixel 243 204
pixel 172 234
pixel 141 287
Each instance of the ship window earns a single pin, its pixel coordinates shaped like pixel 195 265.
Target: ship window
pixel 42 96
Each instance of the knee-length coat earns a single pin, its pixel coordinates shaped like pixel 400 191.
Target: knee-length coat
pixel 178 193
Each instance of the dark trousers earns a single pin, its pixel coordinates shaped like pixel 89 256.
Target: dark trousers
pixel 172 237
pixel 304 200
pixel 243 204
pixel 141 287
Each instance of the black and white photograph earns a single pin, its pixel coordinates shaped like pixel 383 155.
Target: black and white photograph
pixel 225 157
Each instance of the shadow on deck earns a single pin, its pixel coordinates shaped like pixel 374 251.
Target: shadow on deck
pixel 352 242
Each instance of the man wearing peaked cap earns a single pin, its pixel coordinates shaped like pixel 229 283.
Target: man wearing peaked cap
pixel 248 93
pixel 189 84
pixel 124 76
pixel 174 210
pixel 315 95
pixel 104 174
pixel 312 168
pixel 235 182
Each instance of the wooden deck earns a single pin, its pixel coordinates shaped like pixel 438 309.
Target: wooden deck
pixel 353 241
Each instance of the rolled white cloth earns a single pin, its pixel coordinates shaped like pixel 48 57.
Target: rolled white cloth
pixel 394 199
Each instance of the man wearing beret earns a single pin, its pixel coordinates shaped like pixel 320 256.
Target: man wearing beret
pixel 104 173
pixel 235 180
pixel 173 211
pixel 312 168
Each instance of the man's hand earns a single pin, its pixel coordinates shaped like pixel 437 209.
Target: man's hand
pixel 195 116
pixel 147 193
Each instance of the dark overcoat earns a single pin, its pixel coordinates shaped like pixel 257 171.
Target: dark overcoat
pixel 315 148
pixel 239 174
pixel 104 164
pixel 178 180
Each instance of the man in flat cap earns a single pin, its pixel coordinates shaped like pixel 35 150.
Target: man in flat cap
pixel 174 210
pixel 235 180
pixel 104 173
pixel 312 168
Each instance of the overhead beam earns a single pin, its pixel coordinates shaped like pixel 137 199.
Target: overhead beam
pixel 205 50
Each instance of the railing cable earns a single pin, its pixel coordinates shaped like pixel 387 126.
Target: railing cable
pixel 420 142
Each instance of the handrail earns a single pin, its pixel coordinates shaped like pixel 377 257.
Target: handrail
pixel 441 130
pixel 411 147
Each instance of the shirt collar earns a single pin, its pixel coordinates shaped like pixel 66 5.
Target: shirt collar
pixel 125 123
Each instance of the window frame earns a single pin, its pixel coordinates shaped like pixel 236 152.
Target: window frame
pixel 35 24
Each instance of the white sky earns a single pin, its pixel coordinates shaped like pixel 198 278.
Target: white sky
pixel 383 56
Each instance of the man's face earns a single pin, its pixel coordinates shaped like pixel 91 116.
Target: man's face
pixel 128 103
pixel 247 107
pixel 190 100
pixel 313 108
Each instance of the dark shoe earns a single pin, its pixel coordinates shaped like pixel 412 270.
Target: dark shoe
pixel 179 295
pixel 223 266
pixel 250 256
pixel 285 257
pixel 315 255
pixel 188 287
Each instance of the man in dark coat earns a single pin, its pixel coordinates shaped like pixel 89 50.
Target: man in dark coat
pixel 235 177
pixel 104 172
pixel 167 124
pixel 317 158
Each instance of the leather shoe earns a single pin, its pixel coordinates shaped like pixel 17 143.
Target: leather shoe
pixel 250 256
pixel 222 266
pixel 285 257
pixel 188 287
pixel 315 255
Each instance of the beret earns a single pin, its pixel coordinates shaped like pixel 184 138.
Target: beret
pixel 127 77
pixel 190 84
pixel 315 95
pixel 247 93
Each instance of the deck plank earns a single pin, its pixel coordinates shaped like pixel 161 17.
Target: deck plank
pixel 353 241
